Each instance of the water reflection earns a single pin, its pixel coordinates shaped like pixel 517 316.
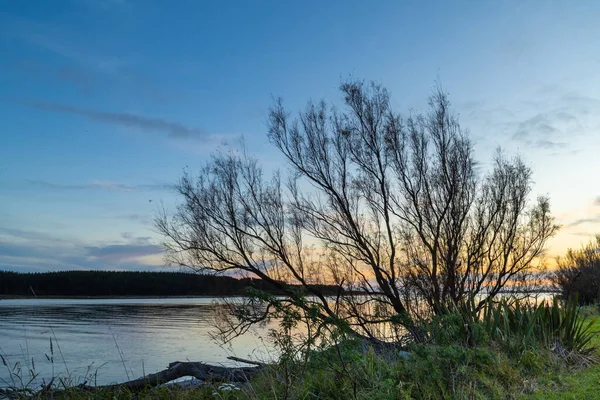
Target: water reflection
pixel 114 338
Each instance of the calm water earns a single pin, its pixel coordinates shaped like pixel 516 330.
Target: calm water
pixel 113 338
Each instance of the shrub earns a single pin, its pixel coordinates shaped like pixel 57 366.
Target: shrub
pixel 578 273
pixel 517 326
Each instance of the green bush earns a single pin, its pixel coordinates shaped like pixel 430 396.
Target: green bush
pixel 578 273
pixel 517 326
pixel 471 351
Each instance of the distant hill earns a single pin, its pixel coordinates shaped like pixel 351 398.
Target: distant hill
pixel 124 283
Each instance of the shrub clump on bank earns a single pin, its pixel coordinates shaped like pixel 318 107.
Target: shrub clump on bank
pixel 578 273
pixel 505 351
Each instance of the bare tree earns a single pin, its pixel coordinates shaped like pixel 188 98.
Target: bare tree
pixel 390 209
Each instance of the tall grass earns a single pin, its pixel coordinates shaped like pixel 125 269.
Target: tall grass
pixel 502 349
pixel 524 325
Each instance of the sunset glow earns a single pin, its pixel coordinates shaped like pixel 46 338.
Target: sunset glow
pixel 105 103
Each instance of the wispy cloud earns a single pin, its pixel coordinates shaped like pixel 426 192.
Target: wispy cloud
pixel 98 68
pixel 142 219
pixel 90 81
pixel 60 40
pixel 544 130
pixel 30 236
pixel 98 185
pixel 140 240
pixel 110 64
pixel 587 220
pixel 174 130
pixel 556 119
pixel 24 250
pixel 583 234
pixel 547 144
pixel 122 252
pixel 539 123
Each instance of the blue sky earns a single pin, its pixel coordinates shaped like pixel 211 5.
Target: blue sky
pixel 103 103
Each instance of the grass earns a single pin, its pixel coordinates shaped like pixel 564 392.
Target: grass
pixel 506 365
pixel 579 384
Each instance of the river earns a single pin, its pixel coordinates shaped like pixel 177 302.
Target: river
pixel 111 340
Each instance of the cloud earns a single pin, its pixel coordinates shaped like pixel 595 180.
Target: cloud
pixel 584 234
pixel 85 81
pixel 23 234
pixel 587 220
pixel 143 219
pixel 60 40
pixel 597 201
pixel 547 144
pixel 543 130
pixel 538 124
pixel 90 69
pixel 148 124
pixel 91 81
pixel 34 264
pixel 141 240
pixel 91 185
pixel 548 118
pixel 8 249
pixel 122 252
pixel 22 250
pixel 110 64
pixel 98 185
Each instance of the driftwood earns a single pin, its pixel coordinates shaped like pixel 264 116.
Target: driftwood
pixel 178 369
pixel 198 370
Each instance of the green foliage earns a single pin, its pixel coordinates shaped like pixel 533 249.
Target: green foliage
pixel 346 370
pixel 517 326
pixel 453 371
pixel 578 273
pixel 583 383
pixel 524 326
pixel 500 350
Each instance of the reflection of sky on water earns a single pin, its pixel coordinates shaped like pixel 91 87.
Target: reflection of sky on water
pixel 150 333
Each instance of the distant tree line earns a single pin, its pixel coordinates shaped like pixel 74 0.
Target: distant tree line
pixel 125 283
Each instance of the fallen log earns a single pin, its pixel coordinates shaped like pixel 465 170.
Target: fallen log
pixel 178 369
pixel 198 370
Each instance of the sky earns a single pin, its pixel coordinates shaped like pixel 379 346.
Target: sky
pixel 104 103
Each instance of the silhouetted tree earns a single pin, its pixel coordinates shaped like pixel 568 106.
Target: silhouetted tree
pixel 578 273
pixel 388 206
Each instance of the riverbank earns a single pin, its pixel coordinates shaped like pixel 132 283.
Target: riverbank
pixel 113 339
pixel 501 367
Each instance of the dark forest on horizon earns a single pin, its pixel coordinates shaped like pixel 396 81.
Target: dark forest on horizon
pixel 128 283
